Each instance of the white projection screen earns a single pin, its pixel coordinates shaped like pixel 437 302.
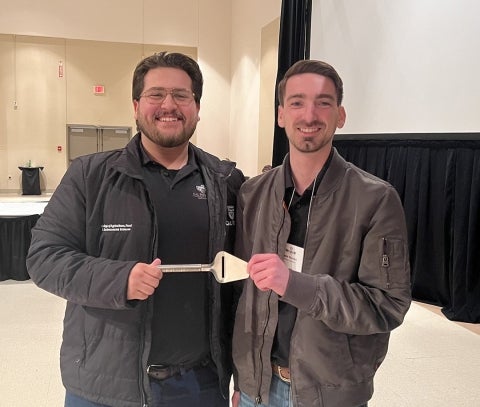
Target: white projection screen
pixel 408 66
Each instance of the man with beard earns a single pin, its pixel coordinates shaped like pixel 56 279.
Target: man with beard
pixel 328 262
pixel 134 336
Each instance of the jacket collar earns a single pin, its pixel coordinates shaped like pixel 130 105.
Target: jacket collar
pixel 334 174
pixel 319 177
pixel 333 177
pixel 130 160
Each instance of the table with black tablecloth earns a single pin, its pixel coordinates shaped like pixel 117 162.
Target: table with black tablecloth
pixel 16 222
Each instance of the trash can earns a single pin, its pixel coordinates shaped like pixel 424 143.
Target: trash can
pixel 31 180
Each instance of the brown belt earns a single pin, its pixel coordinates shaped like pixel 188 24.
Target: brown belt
pixel 282 372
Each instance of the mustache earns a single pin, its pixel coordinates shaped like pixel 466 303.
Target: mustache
pixel 175 114
pixel 315 123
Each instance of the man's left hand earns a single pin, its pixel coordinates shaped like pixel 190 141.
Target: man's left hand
pixel 268 272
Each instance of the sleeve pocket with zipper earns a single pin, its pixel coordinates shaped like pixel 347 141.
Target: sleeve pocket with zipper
pixel 392 262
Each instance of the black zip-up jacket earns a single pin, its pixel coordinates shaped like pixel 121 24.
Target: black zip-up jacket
pixel 98 224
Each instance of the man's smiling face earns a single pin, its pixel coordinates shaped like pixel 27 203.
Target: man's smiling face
pixel 166 124
pixel 310 113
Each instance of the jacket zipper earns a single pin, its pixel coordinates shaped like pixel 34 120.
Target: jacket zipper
pixel 140 362
pixel 145 314
pixel 386 261
pixel 258 399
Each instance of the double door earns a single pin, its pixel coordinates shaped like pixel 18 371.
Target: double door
pixel 87 139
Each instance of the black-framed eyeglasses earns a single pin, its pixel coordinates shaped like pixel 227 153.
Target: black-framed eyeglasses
pixel 156 96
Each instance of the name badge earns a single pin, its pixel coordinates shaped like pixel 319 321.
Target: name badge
pixel 293 257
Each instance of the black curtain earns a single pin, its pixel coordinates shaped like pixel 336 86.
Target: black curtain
pixel 293 46
pixel 15 237
pixel 439 184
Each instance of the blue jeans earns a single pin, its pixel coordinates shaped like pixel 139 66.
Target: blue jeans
pixel 279 396
pixel 197 387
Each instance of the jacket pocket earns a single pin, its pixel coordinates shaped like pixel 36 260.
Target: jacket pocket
pixel 311 353
pixel 393 262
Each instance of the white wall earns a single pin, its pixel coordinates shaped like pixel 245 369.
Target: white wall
pixel 213 44
pixel 407 66
pixel 227 35
pixel 249 16
pixel 141 21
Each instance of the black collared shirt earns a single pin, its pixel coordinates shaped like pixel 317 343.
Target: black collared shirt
pixel 298 208
pixel 181 300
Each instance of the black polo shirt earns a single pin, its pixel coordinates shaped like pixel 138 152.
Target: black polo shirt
pixel 298 208
pixel 180 311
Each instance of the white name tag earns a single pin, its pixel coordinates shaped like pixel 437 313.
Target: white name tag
pixel 293 257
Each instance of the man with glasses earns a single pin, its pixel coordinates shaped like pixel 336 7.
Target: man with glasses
pixel 134 336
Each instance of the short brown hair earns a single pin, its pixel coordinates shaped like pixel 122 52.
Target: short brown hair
pixel 311 66
pixel 168 60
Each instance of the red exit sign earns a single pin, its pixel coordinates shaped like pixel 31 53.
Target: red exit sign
pixel 99 89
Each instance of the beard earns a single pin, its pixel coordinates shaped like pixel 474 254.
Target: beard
pixel 305 144
pixel 163 139
pixel 308 145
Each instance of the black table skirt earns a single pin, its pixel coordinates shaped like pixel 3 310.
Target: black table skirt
pixel 439 184
pixel 15 237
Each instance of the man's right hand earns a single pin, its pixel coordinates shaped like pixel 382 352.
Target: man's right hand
pixel 143 280
pixel 235 398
